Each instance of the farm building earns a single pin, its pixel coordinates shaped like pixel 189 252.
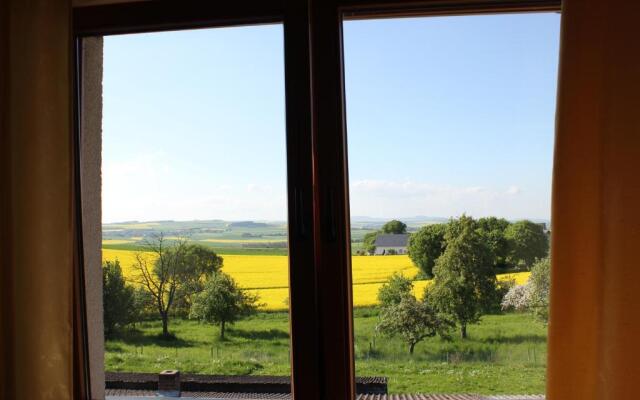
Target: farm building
pixel 391 244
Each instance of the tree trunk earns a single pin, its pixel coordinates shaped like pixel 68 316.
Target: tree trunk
pixel 463 331
pixel 165 325
pixel 222 330
pixel 411 348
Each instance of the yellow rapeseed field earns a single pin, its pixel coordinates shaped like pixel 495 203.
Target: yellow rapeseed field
pixel 268 277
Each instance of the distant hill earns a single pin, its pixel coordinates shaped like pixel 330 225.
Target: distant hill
pixel 248 224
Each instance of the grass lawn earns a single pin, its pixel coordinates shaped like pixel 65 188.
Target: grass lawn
pixel 503 354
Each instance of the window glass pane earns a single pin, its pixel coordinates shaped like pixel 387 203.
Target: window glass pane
pixel 194 206
pixel 450 134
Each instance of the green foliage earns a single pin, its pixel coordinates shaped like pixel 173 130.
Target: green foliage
pixel 392 292
pixel 144 305
pixel 494 302
pixel 540 282
pixel 222 302
pixel 413 321
pixel 171 271
pixel 394 227
pixel 425 246
pixel 196 262
pixel 118 298
pixel 492 229
pixel 527 243
pixel 369 240
pixel 464 281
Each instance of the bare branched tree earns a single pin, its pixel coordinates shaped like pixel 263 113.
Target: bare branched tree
pixel 159 272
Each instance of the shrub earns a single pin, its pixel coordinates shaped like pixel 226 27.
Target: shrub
pixel 118 299
pixel 413 321
pixel 222 302
pixel 392 292
pixel 517 298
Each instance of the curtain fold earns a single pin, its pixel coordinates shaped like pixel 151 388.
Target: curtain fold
pixel 37 220
pixel 595 296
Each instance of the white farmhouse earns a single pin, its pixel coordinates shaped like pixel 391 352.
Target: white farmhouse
pixel 391 243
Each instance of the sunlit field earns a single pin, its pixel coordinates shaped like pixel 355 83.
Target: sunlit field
pixel 268 276
pixel 504 353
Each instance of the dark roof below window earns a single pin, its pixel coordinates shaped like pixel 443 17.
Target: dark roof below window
pixel 122 394
pixel 392 240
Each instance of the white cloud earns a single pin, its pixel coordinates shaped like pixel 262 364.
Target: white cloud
pixel 386 198
pixel 513 190
pixel 151 187
pixel 148 187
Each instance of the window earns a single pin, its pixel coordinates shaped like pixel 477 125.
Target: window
pixel 321 232
pixel 472 101
pixel 194 206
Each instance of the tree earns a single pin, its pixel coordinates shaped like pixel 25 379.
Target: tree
pixel 527 242
pixel 222 302
pixel 196 263
pixel 117 298
pixel 392 292
pixel 493 231
pixel 369 241
pixel 425 246
pixel 413 321
pixel 394 227
pixel 540 282
pixel 160 272
pixel 145 305
pixel 464 280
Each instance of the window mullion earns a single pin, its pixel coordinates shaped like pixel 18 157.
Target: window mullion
pixel 332 203
pixel 304 320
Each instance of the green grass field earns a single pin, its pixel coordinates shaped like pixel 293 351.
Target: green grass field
pixel 504 353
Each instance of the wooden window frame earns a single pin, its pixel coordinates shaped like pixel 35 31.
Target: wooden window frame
pixel 321 320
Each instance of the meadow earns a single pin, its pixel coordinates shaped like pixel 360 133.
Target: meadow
pixel 267 275
pixel 504 353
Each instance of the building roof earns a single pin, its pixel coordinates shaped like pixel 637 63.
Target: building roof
pixel 392 240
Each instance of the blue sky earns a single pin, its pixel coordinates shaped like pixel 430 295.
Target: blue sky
pixel 445 115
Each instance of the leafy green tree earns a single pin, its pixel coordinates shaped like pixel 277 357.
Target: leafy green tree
pixel 425 246
pixel 222 302
pixel 117 297
pixel 145 306
pixel 540 284
pixel 413 321
pixel 369 241
pixel 493 231
pixel 464 281
pixel 196 263
pixel 395 227
pixel 527 242
pixel 392 292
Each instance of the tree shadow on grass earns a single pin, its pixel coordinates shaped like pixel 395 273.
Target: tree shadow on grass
pixel 270 334
pixel 113 348
pixel 136 337
pixel 463 355
pixel 516 339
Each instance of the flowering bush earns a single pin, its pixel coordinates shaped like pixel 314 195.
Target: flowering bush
pixel 517 298
pixel 534 295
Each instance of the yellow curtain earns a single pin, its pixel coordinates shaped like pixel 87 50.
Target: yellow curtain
pixel 594 352
pixel 36 283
